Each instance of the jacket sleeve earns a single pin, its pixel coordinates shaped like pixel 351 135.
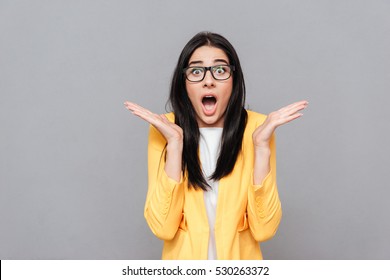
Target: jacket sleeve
pixel 264 207
pixel 165 197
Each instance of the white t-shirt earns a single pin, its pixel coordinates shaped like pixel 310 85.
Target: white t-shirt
pixel 209 146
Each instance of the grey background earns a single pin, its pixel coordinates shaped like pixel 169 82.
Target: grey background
pixel 73 175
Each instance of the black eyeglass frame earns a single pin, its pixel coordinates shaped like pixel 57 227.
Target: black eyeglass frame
pixel 232 69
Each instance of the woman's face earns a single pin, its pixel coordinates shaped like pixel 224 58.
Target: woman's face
pixel 209 97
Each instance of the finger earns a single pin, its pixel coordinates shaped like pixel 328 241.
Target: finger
pixel 289 118
pixel 149 117
pixel 290 110
pixel 295 109
pixel 141 112
pixel 134 107
pixel 131 106
pixel 144 116
pixel 294 105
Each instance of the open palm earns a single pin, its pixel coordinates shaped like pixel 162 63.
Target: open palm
pixel 262 135
pixel 170 131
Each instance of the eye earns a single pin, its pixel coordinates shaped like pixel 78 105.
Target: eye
pixel 220 69
pixel 196 71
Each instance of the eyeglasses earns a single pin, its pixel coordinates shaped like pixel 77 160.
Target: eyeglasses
pixel 219 72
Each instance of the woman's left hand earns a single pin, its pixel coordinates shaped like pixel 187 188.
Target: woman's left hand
pixel 262 135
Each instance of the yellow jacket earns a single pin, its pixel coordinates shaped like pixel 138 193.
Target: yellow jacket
pixel 246 213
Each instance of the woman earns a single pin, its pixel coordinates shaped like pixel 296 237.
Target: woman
pixel 211 164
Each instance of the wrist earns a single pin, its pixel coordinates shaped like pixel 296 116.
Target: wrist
pixel 262 148
pixel 262 153
pixel 175 146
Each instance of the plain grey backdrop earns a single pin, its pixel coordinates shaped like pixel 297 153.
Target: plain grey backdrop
pixel 73 167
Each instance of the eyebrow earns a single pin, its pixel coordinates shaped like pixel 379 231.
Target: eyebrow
pixel 200 61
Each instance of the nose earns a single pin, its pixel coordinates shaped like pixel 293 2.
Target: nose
pixel 208 79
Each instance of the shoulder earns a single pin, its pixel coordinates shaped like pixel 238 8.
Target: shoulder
pixel 170 116
pixel 255 119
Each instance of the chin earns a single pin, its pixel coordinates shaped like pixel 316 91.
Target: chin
pixel 211 123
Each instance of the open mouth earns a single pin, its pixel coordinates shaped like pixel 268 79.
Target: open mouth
pixel 209 102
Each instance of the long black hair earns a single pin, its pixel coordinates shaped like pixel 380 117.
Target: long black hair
pixel 185 116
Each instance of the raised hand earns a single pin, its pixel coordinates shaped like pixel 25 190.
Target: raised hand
pixel 171 132
pixel 262 135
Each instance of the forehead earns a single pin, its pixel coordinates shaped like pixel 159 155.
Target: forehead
pixel 208 54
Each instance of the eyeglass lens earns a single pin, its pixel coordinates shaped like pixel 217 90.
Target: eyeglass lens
pixel 219 72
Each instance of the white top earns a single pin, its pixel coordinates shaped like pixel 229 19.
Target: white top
pixel 209 145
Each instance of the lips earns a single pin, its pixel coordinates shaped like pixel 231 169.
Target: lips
pixel 209 103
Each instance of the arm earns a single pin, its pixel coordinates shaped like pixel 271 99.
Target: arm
pixel 165 198
pixel 264 208
pixel 164 202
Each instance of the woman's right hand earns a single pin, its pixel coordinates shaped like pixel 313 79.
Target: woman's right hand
pixel 171 131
